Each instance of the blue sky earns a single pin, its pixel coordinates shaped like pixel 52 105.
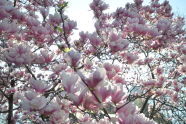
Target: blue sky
pixel 79 11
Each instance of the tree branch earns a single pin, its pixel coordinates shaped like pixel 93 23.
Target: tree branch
pixel 10 104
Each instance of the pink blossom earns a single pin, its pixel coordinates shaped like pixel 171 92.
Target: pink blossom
pixel 73 57
pixel 182 59
pixel 91 103
pixel 83 36
pixel 59 117
pixel 163 24
pixel 119 79
pixel 132 20
pixel 97 77
pixel 59 67
pixel 19 54
pixel 9 27
pixel 114 37
pixel 98 6
pixel 51 108
pixel 175 97
pixel 182 48
pixel 38 103
pixel 32 22
pixel 90 50
pixel 55 19
pixel 182 69
pixel 138 28
pixel 30 95
pixel 69 81
pixel 116 95
pixel 129 109
pixel 69 26
pixel 87 63
pixel 43 57
pixel 128 115
pixel 129 57
pixel 39 86
pixel 136 119
pixel 103 93
pixel 94 39
pixel 11 90
pixel 150 83
pixel 3 13
pixel 77 100
pixel 118 45
pixel 34 103
pixel 159 71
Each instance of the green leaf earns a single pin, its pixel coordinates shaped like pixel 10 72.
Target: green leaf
pixel 59 29
pixel 65 4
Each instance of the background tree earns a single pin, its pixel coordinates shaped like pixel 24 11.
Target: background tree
pixel 131 70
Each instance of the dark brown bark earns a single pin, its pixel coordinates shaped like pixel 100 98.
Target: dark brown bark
pixel 10 104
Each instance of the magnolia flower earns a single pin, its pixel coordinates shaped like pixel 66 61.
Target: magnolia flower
pixel 129 109
pixel 136 119
pixel 163 24
pixel 119 79
pixel 129 57
pixel 111 70
pixel 83 36
pixel 43 57
pixel 96 78
pixel 182 49
pixel 98 6
pixel 73 58
pixel 90 102
pixel 103 93
pixel 55 19
pixel 77 100
pixel 182 59
pixel 84 118
pixel 116 95
pixel 69 81
pixel 59 117
pixel 32 22
pixel 138 28
pixel 30 95
pixel 87 63
pixel 182 69
pixel 39 86
pixel 118 45
pixel 59 67
pixel 33 102
pixel 99 74
pixel 90 50
pixel 51 108
pixel 94 39
pixel 132 20
pixel 11 90
pixel 175 97
pixel 150 83
pixel 69 26
pixel 38 103
pixel 159 71
pixel 19 54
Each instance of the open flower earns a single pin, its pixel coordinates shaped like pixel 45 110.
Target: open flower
pixel 39 86
pixel 96 78
pixel 69 82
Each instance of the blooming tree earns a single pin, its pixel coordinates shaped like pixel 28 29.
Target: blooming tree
pixel 131 70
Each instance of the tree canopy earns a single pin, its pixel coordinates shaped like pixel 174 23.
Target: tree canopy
pixel 130 70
